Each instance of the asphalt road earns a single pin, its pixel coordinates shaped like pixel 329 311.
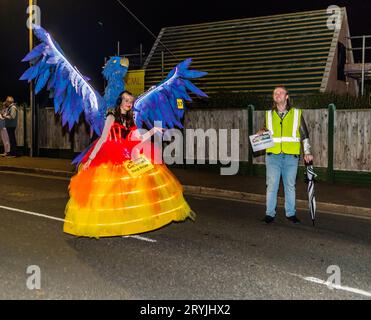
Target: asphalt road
pixel 227 253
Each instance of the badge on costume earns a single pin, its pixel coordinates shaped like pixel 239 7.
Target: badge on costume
pixel 138 166
pixel 180 104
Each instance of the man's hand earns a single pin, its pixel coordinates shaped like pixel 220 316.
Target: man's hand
pixel 308 158
pixel 261 131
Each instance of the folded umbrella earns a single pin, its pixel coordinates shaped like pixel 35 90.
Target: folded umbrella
pixel 310 179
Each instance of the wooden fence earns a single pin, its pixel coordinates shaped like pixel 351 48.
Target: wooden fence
pixel 51 134
pixel 351 134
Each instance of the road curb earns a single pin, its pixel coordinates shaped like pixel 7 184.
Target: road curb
pixel 221 193
pixel 260 199
pixel 50 172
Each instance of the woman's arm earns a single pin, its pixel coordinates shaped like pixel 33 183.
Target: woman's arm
pixel 151 132
pixel 107 126
pixel 148 134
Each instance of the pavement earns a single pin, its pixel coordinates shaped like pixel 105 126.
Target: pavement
pixel 342 199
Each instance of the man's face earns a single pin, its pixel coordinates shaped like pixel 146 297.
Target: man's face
pixel 280 95
pixel 127 102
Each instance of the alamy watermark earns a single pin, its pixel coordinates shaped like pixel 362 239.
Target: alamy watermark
pixel 222 146
pixel 35 18
pixel 34 279
pixel 334 280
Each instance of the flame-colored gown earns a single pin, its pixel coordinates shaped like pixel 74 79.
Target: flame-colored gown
pixel 105 200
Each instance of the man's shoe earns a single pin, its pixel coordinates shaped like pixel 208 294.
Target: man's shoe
pixel 10 156
pixel 268 219
pixel 293 219
pixel 3 154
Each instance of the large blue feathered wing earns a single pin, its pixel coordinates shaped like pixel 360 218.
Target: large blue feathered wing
pixel 161 102
pixel 71 91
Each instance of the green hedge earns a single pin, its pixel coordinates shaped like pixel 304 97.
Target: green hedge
pixel 312 101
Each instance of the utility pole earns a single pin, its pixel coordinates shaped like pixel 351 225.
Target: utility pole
pixel 34 147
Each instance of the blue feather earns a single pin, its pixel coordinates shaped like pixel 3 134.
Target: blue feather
pixel 40 33
pixel 35 53
pixel 51 83
pixel 160 102
pixel 67 86
pixel 191 74
pixel 185 64
pixel 42 80
pixel 58 99
pixel 30 73
pixel 53 60
pixel 190 86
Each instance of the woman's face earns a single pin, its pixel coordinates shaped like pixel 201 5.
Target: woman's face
pixel 126 103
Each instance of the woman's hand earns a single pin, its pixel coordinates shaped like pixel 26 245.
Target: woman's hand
pixel 158 129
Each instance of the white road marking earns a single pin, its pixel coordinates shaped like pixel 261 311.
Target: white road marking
pixel 32 213
pixel 331 285
pixel 141 238
pixel 338 287
pixel 63 220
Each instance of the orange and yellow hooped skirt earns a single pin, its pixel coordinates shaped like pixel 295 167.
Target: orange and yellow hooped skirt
pixel 105 200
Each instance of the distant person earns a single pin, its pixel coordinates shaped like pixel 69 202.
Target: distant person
pixel 288 129
pixel 11 118
pixel 3 132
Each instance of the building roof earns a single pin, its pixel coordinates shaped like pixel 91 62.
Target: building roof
pixel 252 54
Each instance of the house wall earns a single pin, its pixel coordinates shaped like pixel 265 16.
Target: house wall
pixel 349 86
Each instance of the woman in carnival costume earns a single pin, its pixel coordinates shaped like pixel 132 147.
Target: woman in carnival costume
pixel 119 188
pixel 106 199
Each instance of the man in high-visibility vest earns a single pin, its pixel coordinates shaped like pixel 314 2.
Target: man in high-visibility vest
pixel 288 129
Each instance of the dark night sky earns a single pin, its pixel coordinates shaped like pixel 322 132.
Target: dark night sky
pixel 88 30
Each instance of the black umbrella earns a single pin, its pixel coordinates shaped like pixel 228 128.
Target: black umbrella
pixel 309 179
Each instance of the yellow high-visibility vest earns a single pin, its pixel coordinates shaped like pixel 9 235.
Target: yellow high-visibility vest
pixel 285 132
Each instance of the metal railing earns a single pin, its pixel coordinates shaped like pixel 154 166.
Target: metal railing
pixel 363 49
